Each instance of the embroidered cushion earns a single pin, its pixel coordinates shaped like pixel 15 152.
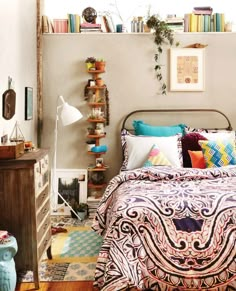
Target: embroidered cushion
pixel 218 153
pixel 156 158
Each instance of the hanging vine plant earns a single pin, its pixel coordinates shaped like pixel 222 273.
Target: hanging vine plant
pixel 162 35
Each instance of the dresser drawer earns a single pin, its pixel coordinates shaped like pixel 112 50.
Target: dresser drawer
pixel 43 212
pixel 41 173
pixel 42 197
pixel 45 242
pixel 43 227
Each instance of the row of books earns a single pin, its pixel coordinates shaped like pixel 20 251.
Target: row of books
pixel 93 203
pixel 175 23
pixel 204 22
pixel 73 24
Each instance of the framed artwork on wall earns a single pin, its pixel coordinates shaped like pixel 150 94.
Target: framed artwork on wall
pixel 187 70
pixel 72 185
pixel 28 103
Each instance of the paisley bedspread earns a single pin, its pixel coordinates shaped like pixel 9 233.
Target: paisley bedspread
pixel 168 229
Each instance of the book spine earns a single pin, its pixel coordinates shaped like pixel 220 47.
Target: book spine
pixel 69 23
pixel 77 23
pixel 186 22
pixel 218 22
pixel 222 17
pixel 193 23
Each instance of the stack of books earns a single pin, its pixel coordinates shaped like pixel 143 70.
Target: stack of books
pixel 175 23
pixel 93 203
pixel 90 27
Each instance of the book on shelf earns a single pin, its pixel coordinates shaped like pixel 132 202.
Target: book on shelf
pixel 60 25
pixel 47 26
pixel 90 25
pixel 203 9
pixel 73 23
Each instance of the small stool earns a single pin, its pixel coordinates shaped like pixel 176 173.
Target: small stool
pixel 8 249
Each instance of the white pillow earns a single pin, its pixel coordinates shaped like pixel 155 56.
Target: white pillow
pixel 219 135
pixel 138 149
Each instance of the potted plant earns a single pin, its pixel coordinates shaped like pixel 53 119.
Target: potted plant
pixel 82 210
pixel 100 64
pixel 90 62
pixel 162 35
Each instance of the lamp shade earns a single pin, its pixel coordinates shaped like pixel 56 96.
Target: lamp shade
pixel 69 114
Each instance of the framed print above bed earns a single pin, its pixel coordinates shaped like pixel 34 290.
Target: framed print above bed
pixel 187 71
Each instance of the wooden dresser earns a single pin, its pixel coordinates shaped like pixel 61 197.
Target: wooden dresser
pixel 25 207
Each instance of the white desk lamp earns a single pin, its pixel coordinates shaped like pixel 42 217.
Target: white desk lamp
pixel 69 114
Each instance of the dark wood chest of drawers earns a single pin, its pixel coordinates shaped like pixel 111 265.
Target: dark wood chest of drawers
pixel 25 207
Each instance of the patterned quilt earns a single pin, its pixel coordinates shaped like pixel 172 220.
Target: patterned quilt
pixel 168 229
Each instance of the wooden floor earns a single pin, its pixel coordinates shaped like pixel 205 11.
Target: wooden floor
pixel 58 286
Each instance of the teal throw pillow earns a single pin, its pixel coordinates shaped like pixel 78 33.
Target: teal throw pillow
pixel 142 128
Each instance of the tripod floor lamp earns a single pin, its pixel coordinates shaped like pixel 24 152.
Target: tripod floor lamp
pixel 68 115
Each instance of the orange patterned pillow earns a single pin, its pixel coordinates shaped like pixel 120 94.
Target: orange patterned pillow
pixel 197 159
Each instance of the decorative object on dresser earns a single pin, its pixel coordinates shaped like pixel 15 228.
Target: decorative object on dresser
pixel 69 114
pixel 97 97
pixel 25 207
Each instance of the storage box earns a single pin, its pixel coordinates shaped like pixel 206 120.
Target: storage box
pixel 12 150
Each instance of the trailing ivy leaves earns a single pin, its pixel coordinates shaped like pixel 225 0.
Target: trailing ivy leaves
pixel 162 35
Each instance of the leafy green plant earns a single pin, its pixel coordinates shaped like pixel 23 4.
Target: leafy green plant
pixel 162 35
pixel 82 207
pixel 91 60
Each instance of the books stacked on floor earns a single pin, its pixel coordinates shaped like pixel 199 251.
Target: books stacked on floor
pixel 175 23
pixel 93 203
pixel 90 27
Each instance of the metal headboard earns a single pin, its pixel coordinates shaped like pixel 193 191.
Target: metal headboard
pixel 124 124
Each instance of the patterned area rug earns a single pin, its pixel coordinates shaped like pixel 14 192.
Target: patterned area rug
pixel 74 253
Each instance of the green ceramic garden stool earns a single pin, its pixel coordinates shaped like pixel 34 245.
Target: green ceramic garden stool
pixel 8 249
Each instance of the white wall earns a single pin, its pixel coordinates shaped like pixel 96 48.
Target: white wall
pixel 18 60
pixel 131 81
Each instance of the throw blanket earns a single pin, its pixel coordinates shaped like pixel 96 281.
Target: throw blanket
pixel 167 228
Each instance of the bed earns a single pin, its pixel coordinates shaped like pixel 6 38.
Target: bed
pixel 168 225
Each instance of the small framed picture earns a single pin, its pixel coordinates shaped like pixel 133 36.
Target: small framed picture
pixel 99 162
pixel 28 103
pixel 72 185
pixel 187 69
